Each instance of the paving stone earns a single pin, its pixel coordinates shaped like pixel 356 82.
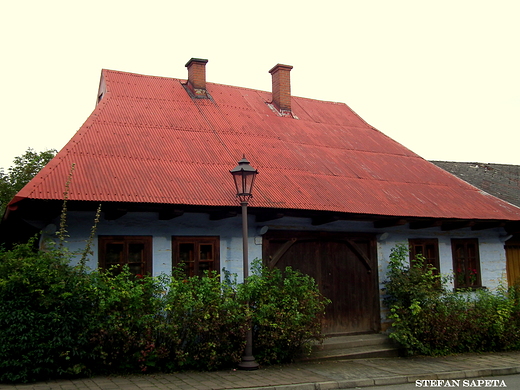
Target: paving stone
pixel 340 374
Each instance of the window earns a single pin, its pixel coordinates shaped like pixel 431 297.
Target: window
pixel 429 248
pixel 466 263
pixel 134 251
pixel 196 254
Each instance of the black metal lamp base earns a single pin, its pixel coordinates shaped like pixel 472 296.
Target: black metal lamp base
pixel 248 363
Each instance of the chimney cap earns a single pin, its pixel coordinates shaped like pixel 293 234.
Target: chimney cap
pixel 199 60
pixel 280 66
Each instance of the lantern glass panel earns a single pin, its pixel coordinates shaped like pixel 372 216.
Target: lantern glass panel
pixel 244 177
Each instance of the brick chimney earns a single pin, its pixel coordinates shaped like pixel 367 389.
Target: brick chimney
pixel 282 87
pixel 197 76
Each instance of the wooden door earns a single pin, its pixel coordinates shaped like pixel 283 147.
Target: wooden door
pixel 345 268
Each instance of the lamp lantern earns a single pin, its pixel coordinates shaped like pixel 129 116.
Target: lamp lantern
pixel 244 176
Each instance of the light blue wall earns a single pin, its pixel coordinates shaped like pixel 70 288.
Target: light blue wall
pixel 492 253
pixel 491 248
pixel 229 230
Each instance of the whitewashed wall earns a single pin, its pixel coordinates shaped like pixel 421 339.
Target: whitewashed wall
pixel 491 242
pixel 492 254
pixel 229 230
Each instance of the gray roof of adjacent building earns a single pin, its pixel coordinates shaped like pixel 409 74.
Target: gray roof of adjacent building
pixel 499 180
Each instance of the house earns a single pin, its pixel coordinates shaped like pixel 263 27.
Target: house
pixel 502 181
pixel 333 196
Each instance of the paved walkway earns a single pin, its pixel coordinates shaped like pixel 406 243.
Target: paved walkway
pixel 338 374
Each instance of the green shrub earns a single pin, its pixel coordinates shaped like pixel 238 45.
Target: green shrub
pixel 127 319
pixel 57 320
pixel 511 334
pixel 287 312
pixel 205 324
pixel 44 314
pixel 411 288
pixel 428 319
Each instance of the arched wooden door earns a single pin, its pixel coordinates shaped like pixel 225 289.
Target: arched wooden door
pixel 345 268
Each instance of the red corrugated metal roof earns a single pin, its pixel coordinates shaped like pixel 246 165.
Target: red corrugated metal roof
pixel 148 141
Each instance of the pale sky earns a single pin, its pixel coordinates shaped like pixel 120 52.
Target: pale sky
pixel 440 77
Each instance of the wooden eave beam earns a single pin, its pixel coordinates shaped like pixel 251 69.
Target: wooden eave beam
pixel 218 215
pixel 165 215
pixel 454 225
pixel 268 216
pixel 513 227
pixel 322 220
pixel 112 214
pixel 425 224
pixel 488 225
pixel 384 223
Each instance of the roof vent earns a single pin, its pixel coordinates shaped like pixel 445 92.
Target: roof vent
pixel 282 87
pixel 197 77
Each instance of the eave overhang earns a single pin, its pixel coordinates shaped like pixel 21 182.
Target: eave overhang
pixel 40 212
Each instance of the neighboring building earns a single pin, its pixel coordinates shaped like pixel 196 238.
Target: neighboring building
pixel 332 198
pixel 502 181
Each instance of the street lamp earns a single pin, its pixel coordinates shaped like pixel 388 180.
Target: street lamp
pixel 244 177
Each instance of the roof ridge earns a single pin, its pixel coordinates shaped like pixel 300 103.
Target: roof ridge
pixel 184 80
pixel 139 74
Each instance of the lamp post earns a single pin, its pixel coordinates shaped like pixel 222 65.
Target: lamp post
pixel 244 177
